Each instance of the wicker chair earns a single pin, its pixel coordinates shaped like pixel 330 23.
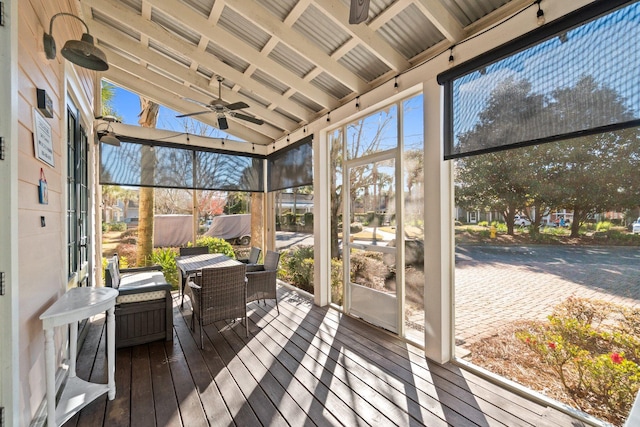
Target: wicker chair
pixel 261 279
pixel 254 255
pixel 220 293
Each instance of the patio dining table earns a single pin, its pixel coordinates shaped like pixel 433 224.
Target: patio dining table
pixel 191 264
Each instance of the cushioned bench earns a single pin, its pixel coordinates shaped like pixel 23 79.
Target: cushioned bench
pixel 144 308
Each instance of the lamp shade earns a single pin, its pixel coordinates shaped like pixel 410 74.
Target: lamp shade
pixel 85 54
pixel 109 138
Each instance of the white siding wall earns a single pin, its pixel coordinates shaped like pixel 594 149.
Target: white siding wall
pixel 42 259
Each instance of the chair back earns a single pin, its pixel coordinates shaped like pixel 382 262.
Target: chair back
pixel 112 272
pixel 254 255
pixel 223 292
pixel 194 250
pixel 271 260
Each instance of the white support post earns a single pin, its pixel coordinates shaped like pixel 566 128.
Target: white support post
pixel 438 232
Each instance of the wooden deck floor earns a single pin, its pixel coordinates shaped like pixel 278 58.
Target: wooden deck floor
pixel 308 366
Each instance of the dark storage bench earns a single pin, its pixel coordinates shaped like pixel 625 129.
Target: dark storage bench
pixel 144 307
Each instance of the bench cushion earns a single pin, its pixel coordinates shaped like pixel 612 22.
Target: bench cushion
pixel 142 286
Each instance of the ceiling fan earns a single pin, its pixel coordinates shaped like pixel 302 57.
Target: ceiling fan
pixel 221 108
pixel 359 11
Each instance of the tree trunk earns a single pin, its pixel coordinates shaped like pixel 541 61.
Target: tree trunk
pixel 148 118
pixel 257 222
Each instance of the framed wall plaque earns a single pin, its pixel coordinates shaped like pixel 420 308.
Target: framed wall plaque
pixel 42 139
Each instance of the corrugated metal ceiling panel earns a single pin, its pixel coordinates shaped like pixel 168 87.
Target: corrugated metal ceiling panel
pixel 306 102
pixel 469 11
pixel 227 57
pixel 291 60
pixel 270 81
pixel 362 62
pixel 203 7
pixel 243 29
pixel 116 25
pixel 330 85
pixel 175 27
pixel 169 53
pixel 133 4
pixel 314 25
pixel 205 71
pixel 410 32
pixel 280 8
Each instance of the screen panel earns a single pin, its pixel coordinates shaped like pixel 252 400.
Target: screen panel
pixel 291 167
pixel 141 164
pixel 570 78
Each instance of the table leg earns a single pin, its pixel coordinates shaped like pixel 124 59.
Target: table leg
pixel 50 372
pixel 183 283
pixel 111 352
pixel 73 348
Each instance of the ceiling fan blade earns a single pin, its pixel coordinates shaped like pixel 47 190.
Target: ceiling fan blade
pixel 193 114
pixel 236 106
pixel 359 11
pixel 195 101
pixel 222 123
pixel 248 118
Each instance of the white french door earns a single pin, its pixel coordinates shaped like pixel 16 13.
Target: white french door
pixel 370 189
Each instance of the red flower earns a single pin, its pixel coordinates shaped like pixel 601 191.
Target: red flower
pixel 551 345
pixel 616 358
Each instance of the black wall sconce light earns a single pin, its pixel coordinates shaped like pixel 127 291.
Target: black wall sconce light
pixel 81 52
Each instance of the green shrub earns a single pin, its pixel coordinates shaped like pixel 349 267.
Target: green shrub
pixel 166 257
pixel 308 219
pixel 297 267
pixel 117 226
pixel 127 254
pixel 603 226
pixel 367 268
pixel 337 287
pixel 483 223
pixel 355 228
pixel 216 245
pixel 594 348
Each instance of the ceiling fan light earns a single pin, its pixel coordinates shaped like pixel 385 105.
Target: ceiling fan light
pixel 222 122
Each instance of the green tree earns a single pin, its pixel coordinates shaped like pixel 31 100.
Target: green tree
pixel 586 175
pixel 594 173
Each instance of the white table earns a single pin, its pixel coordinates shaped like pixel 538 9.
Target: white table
pixel 75 305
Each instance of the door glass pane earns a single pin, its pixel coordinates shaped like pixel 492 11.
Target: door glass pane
pixel 337 228
pixel 413 214
pixel 371 244
pixel 374 133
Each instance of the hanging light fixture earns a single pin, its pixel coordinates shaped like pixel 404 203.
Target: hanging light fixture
pixel 81 52
pixel 540 13
pixel 108 136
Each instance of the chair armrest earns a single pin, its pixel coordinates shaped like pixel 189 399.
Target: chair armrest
pixel 144 289
pixel 139 269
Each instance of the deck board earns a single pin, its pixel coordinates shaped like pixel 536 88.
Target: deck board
pixel 307 366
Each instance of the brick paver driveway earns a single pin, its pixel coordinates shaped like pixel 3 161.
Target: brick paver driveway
pixel 495 285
